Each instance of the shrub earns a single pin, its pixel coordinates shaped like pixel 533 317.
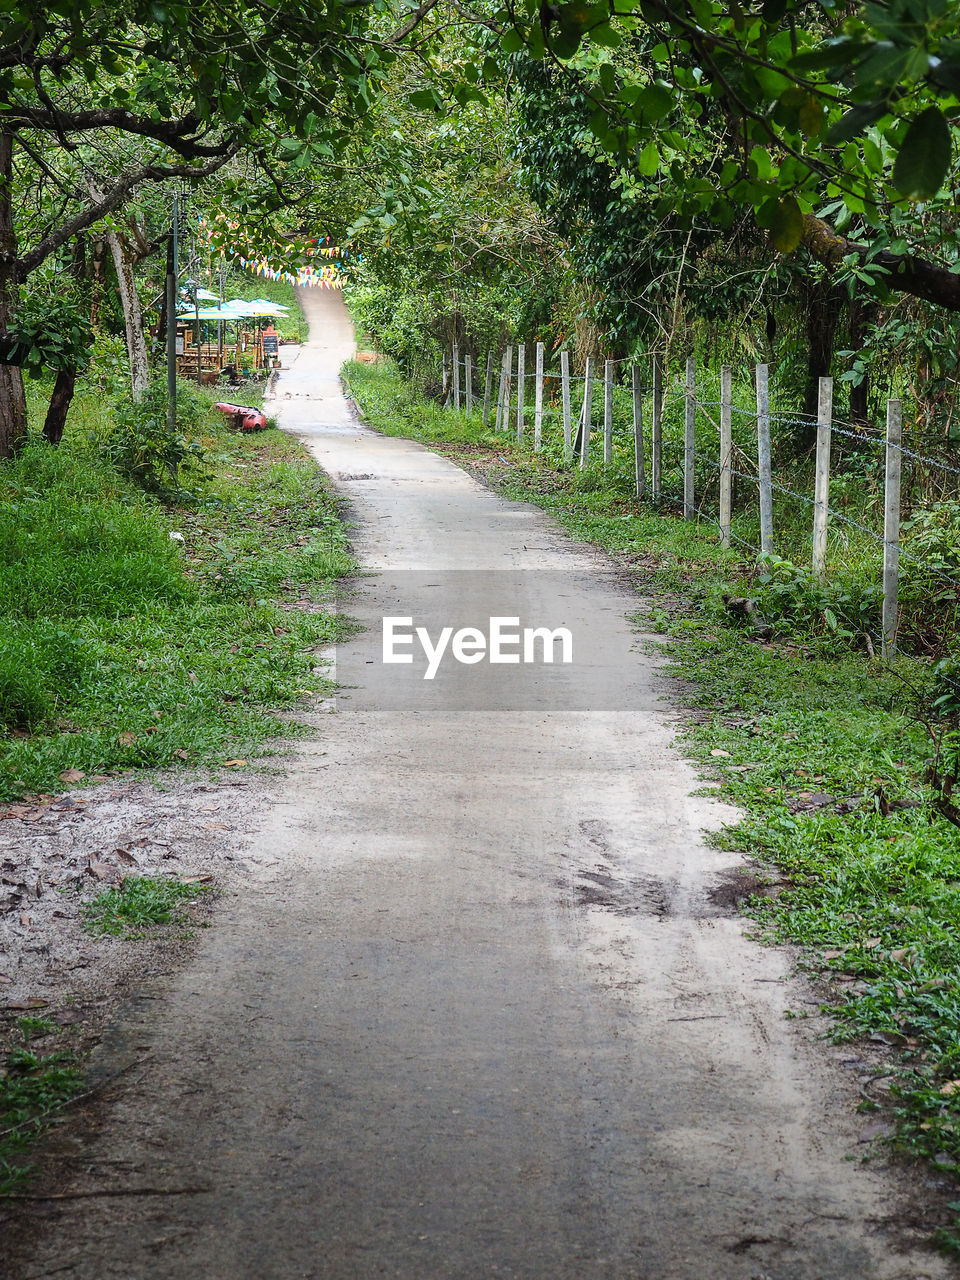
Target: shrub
pixel 141 445
pixel 791 597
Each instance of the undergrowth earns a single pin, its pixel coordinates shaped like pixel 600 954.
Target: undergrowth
pixel 137 634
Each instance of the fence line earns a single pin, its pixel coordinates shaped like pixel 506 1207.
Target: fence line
pixel 685 456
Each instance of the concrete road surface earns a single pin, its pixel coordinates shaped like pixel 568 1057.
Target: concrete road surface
pixel 484 1020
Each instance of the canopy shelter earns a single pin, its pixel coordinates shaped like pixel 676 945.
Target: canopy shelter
pixel 208 356
pixel 208 359
pixel 210 313
pixel 256 307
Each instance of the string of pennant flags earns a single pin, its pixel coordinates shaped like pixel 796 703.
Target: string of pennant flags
pixel 323 275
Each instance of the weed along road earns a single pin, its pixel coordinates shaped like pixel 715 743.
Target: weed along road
pixel 484 1019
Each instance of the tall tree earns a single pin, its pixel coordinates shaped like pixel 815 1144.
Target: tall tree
pixel 161 92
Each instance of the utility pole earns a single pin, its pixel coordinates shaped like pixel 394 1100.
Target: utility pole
pixel 173 269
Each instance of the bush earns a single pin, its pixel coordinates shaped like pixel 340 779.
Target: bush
pixel 933 536
pixel 790 597
pixel 141 445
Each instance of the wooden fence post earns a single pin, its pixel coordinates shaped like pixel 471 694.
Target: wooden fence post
pixel 587 412
pixel 521 361
pixel 656 431
pixel 891 527
pixel 607 412
pixel 538 402
pixel 726 454
pixel 503 397
pixel 763 460
pixel 689 439
pixel 456 376
pixel 468 380
pixel 821 492
pixel 508 358
pixel 565 391
pixel 487 389
pixel 638 463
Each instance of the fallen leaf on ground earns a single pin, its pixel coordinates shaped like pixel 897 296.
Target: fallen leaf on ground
pixel 719 751
pixel 124 856
pixel 952 1086
pixel 103 870
pixel 197 879
pixel 233 764
pixel 126 739
pixel 181 754
pixel 26 815
pixel 72 775
pixel 19 1005
pixel 24 919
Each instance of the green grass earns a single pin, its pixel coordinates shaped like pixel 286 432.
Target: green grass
pixel 34 1089
pixel 825 756
pixel 122 647
pixel 141 904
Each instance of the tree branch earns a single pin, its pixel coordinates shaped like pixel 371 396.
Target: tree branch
pixel 173 133
pixel 907 273
pixel 411 23
pixel 112 198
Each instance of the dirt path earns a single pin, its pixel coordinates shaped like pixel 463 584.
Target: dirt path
pixel 484 1020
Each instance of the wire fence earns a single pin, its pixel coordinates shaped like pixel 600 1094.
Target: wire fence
pixel 658 416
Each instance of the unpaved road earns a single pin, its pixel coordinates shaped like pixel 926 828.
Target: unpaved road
pixel 483 1021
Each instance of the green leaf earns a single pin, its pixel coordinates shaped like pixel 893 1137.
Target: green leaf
pixel 606 36
pixel 853 122
pixel 423 98
pixel 760 163
pixel 924 156
pixel 648 162
pixel 655 101
pixel 786 229
pixel 811 117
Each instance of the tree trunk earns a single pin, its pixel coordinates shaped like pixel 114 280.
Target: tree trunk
pixel 133 318
pixel 13 401
pixel 129 300
pixel 97 282
pixel 823 313
pixel 58 406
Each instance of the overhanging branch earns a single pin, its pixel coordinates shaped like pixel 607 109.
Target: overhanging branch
pixel 906 272
pixel 111 199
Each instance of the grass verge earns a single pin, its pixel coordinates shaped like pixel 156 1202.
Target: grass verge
pixel 134 634
pixel 821 749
